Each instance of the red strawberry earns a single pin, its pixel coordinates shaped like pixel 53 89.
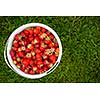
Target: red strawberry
pixel 14 58
pixel 48 33
pixel 31 62
pixel 38 56
pixel 51 44
pixel 39 62
pixel 37 45
pixel 22 68
pixel 45 68
pixel 50 65
pixel 38 28
pixel 37 51
pixel 30 38
pixel 22 34
pixel 26 32
pixel 27 50
pixel 14 48
pixel 25 61
pixel 41 53
pixel 12 53
pixel 40 71
pixel 31 72
pixel 42 48
pixel 33 57
pixel 36 31
pixel 16 45
pixel 53 58
pixel 20 54
pixel 47 40
pixel 52 36
pixel 18 37
pixel 45 62
pixel 43 30
pixel 56 44
pixel 31 31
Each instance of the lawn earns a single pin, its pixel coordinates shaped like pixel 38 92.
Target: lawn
pixel 80 37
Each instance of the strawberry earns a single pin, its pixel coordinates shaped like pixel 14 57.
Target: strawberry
pixel 45 68
pixel 22 68
pixel 25 61
pixel 20 54
pixel 15 49
pixel 27 50
pixel 47 40
pixel 38 28
pixel 45 62
pixel 31 62
pixel 38 56
pixel 18 65
pixel 57 51
pixel 18 37
pixel 37 51
pixel 53 58
pixel 51 44
pixel 22 34
pixel 26 70
pixel 34 58
pixel 51 36
pixel 37 45
pixel 31 31
pixel 26 32
pixel 19 49
pixel 31 72
pixel 16 44
pixel 56 45
pixel 36 31
pixel 30 38
pixel 12 53
pixel 43 30
pixel 14 58
pixel 40 71
pixel 48 33
pixel 42 48
pixel 42 36
pixel 50 65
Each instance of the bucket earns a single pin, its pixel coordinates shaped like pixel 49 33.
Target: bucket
pixel 8 46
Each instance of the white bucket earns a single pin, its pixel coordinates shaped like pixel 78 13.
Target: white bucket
pixel 8 46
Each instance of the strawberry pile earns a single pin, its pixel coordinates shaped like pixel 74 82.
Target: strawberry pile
pixel 34 50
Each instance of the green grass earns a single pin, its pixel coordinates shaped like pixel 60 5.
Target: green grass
pixel 80 37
